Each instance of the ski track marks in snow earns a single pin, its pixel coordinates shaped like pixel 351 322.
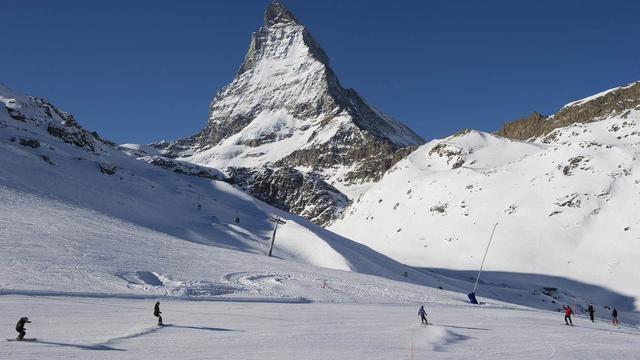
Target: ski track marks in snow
pixel 270 331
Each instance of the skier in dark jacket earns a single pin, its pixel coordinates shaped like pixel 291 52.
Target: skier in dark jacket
pixel 567 315
pixel 614 317
pixel 423 315
pixel 591 311
pixel 21 329
pixel 157 312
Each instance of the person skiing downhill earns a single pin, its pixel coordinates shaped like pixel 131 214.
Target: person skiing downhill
pixel 591 311
pixel 567 315
pixel 21 329
pixel 157 312
pixel 614 317
pixel 423 315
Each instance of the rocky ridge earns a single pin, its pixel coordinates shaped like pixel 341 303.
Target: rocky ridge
pixel 614 102
pixel 287 110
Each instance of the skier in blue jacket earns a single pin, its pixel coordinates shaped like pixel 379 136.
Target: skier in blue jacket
pixel 423 315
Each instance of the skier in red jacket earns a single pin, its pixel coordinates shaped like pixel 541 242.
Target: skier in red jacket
pixel 567 315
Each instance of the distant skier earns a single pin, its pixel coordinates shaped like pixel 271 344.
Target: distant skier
pixel 614 317
pixel 567 315
pixel 21 329
pixel 157 312
pixel 423 315
pixel 591 311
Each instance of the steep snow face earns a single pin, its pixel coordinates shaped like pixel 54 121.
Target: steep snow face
pixel 566 204
pixel 285 97
pixel 72 179
pixel 286 78
pixel 286 109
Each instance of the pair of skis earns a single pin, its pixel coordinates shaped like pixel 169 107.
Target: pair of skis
pixel 25 339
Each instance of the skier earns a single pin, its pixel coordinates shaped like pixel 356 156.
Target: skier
pixel 21 329
pixel 423 315
pixel 614 316
pixel 591 311
pixel 567 315
pixel 157 312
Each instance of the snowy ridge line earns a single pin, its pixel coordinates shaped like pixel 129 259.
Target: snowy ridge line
pixel 600 94
pixel 44 293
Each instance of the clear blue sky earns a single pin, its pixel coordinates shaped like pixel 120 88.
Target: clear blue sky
pixel 139 71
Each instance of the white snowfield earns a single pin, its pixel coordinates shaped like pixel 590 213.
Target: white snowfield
pixel 566 205
pixel 108 222
pixel 95 328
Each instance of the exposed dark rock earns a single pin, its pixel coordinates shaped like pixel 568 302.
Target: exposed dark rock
pixel 184 168
pixel 32 143
pixel 440 208
pixel 47 159
pixel 453 154
pixel 16 115
pixel 525 128
pixel 107 169
pixel 73 135
pixel 614 103
pixel 573 163
pixel 304 194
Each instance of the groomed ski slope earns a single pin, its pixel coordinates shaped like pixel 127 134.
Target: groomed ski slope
pixel 99 328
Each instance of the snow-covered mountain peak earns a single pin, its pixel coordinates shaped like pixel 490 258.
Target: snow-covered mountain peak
pixel 286 73
pixel 286 109
pixel 471 149
pixel 278 14
pixel 281 37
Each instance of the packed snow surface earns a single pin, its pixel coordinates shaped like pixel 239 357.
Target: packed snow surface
pixel 102 328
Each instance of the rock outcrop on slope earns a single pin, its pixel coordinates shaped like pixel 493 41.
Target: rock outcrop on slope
pixel 614 102
pixel 293 191
pixel 286 109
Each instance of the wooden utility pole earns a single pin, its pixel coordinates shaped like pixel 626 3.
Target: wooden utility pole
pixel 276 220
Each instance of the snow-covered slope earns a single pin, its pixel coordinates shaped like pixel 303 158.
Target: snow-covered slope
pixel 66 328
pixel 82 217
pixel 79 214
pixel 286 109
pixel 566 203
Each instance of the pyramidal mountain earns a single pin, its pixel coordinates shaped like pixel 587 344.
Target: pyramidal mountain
pixel 288 132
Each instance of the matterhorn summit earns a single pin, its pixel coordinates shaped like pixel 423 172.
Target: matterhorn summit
pixel 286 112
